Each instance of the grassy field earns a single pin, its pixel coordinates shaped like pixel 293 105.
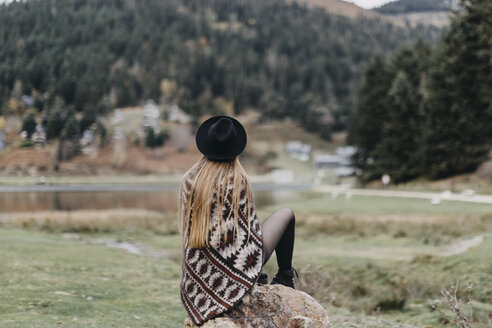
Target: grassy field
pixel 49 281
pixel 372 262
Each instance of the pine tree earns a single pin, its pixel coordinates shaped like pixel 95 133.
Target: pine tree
pixel 88 118
pixel 150 138
pixel 69 143
pixel 366 122
pixel 53 121
pixel 458 133
pixel 29 124
pixel 398 153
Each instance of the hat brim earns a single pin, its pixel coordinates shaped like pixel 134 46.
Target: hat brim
pixel 233 151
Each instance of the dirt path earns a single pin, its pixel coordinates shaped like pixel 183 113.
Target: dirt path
pixel 461 246
pixel 455 248
pixel 132 248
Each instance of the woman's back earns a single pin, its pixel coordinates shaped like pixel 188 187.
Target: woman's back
pixel 216 276
pixel 224 245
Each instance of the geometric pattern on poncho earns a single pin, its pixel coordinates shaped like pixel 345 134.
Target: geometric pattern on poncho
pixel 216 278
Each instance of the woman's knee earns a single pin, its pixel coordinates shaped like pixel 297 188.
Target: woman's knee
pixel 287 212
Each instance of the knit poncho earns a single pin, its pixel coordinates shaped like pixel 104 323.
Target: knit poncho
pixel 215 278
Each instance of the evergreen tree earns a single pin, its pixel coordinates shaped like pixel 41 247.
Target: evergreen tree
pixel 71 131
pixel 150 138
pixel 101 130
pixel 276 57
pixel 88 118
pixel 53 121
pixel 459 110
pixel 367 120
pixel 414 61
pixel 161 138
pixel 398 153
pixel 69 143
pixel 29 124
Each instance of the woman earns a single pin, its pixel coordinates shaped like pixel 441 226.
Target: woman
pixel 224 245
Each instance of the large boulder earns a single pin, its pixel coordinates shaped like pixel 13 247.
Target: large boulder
pixel 271 306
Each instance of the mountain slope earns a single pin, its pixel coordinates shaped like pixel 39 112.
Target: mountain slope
pixel 419 12
pixel 413 6
pixel 339 7
pixel 206 56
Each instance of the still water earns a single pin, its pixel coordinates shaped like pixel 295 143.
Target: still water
pixel 157 198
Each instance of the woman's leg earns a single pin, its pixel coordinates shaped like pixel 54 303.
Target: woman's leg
pixel 278 234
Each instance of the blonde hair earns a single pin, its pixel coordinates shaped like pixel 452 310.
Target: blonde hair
pixel 224 180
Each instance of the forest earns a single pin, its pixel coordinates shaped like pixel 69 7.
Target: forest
pixel 427 111
pixel 283 60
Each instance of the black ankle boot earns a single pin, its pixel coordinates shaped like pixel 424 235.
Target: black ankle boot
pixel 263 279
pixel 285 278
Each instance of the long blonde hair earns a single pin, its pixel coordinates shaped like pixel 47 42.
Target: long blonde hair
pixel 225 180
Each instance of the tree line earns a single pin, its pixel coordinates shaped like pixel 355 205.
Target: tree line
pixel 284 60
pixel 428 111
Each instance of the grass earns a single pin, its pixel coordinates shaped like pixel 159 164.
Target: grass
pixel 49 281
pixel 315 203
pixel 368 216
pixel 372 262
pixel 380 258
pixel 479 181
pixel 366 282
pixel 91 221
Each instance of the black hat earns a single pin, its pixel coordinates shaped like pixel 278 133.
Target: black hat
pixel 221 138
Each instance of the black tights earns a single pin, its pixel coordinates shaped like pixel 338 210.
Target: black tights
pixel 278 234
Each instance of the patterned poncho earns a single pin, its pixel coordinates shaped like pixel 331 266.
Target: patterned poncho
pixel 215 278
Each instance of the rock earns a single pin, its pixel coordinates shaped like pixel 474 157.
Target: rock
pixel 271 306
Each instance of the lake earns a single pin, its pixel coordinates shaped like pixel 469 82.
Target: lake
pixel 95 197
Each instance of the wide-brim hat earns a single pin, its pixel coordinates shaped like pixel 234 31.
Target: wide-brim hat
pixel 221 138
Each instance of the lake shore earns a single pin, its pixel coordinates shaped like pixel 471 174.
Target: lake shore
pixel 168 179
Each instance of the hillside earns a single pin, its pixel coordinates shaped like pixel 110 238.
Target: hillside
pixel 339 7
pixel 419 12
pixel 208 57
pixel 265 151
pixel 413 6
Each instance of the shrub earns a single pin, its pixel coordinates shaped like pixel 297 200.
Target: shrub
pixel 29 124
pixel 26 143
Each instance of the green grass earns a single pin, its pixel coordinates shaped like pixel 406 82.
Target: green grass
pixel 372 262
pixel 46 279
pixel 315 203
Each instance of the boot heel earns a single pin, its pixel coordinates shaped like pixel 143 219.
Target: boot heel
pixel 285 278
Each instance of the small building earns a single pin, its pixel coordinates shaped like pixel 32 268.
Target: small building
pixel 39 135
pixel 87 138
pixel 328 161
pixel 89 147
pixel 27 101
pixel 118 117
pixel 118 137
pixel 177 115
pixel 298 150
pixel 150 116
pixel 340 161
pixel 345 171
pixel 346 152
